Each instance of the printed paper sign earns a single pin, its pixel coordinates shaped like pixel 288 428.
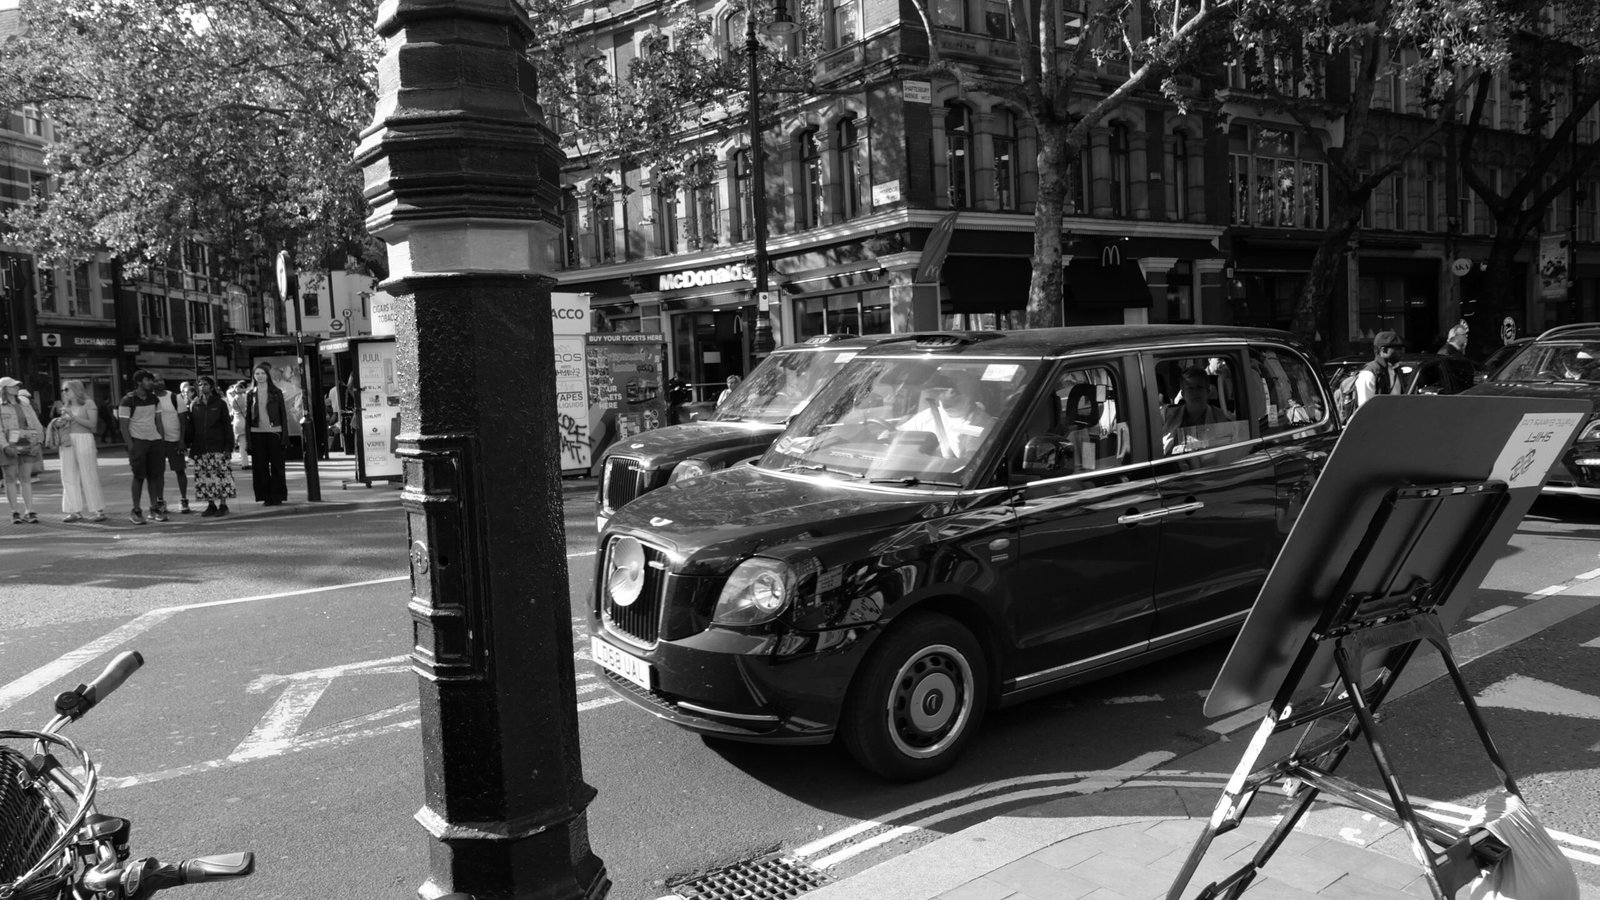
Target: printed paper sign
pixel 1532 448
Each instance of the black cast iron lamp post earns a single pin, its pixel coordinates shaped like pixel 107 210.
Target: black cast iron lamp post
pixel 782 25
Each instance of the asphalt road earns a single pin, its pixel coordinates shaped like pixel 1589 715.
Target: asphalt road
pixel 285 724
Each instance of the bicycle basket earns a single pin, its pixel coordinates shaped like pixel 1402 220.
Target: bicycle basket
pixel 28 830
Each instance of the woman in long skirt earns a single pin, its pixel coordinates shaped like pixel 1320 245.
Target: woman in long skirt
pixel 81 497
pixel 209 434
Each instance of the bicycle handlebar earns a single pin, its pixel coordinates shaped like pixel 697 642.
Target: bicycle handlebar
pixel 72 704
pixel 142 878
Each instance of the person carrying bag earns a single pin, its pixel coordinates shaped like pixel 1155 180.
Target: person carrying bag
pixel 21 445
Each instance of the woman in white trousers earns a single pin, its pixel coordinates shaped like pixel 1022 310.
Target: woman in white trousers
pixel 81 497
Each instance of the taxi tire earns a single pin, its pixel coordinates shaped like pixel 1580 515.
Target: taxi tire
pixel 929 663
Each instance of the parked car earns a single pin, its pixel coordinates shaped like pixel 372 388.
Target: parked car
pixel 1420 373
pixel 1562 362
pixel 960 521
pixel 740 429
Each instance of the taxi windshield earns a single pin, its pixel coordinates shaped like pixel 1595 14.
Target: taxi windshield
pixel 781 386
pixel 904 420
pixel 1547 361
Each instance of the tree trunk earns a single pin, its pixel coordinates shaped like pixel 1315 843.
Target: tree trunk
pixel 1324 275
pixel 1504 294
pixel 1044 289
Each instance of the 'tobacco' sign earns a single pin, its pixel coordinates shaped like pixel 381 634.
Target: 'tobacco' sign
pixel 703 277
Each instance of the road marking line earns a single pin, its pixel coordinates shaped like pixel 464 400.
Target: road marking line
pixel 1549 591
pixel 1140 698
pixel 1494 613
pixel 385 666
pixel 1589 575
pixel 1594 643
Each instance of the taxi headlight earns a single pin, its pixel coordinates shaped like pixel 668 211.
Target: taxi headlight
pixel 690 468
pixel 755 593
pixel 625 571
pixel 1591 432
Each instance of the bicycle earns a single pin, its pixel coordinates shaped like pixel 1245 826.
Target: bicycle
pixel 53 843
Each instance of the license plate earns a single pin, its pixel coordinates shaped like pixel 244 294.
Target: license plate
pixel 627 665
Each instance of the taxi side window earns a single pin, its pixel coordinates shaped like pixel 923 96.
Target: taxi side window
pixel 1429 379
pixel 1289 394
pixel 1202 403
pixel 1080 425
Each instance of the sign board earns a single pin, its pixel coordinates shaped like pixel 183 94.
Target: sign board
pixel 49 339
pixel 886 192
pixel 569 313
pixel 624 374
pixel 1461 267
pixel 380 409
pixel 1554 266
pixel 569 320
pixel 1508 329
pixel 383 313
pixel 917 92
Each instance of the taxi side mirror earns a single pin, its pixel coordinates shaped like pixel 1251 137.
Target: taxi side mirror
pixel 1048 455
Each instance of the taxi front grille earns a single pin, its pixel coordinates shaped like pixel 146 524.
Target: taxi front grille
pixel 640 621
pixel 622 480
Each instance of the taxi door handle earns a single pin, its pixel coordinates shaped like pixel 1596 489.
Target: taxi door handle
pixel 1183 508
pixel 1134 517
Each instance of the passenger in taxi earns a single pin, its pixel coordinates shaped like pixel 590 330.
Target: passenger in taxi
pixel 1188 425
pixel 952 413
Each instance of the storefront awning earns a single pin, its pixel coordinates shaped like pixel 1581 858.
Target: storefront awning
pixel 1090 283
pixel 986 284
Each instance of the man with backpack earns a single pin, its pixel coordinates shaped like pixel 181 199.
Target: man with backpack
pixel 1382 375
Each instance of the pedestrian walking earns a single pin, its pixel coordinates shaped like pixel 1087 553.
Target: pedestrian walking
pixel 236 409
pixel 1382 375
pixel 267 419
pixel 1455 343
pixel 143 431
pixel 174 411
pixel 209 436
pixel 81 496
pixel 21 441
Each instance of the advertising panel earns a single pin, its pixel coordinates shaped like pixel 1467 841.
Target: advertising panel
pixel 626 394
pixel 1554 266
pixel 569 320
pixel 380 409
pixel 286 374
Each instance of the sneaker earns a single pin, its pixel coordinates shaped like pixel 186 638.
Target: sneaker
pixel 32 518
pixel 185 510
pixel 136 516
pixel 16 518
pixel 73 517
pixel 159 515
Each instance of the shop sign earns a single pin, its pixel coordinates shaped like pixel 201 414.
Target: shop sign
pixel 701 277
pixel 49 339
pixel 917 92
pixel 569 313
pixel 94 342
pixel 886 192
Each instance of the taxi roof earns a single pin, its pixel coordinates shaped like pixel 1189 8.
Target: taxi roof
pixel 1051 342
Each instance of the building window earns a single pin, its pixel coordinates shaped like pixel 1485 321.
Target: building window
pixel 1179 201
pixel 810 179
pixel 997 19
pixel 667 216
pixel 1005 159
pixel 569 228
pixel 153 315
pixel 200 318
pixel 958 153
pixel 1397 200
pixel 602 219
pixel 311 304
pixel 851 167
pixel 1079 177
pixel 1270 185
pixel 1119 147
pixel 1430 196
pixel 744 197
pixel 950 14
pixel 856 312
pixel 704 210
pixel 844 18
pixel 32 121
pixel 47 290
pixel 80 297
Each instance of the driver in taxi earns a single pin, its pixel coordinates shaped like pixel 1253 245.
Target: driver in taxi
pixel 952 413
pixel 1187 425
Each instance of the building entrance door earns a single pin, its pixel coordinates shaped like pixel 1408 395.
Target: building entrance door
pixel 709 346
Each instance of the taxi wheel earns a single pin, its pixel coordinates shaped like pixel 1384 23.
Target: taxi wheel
pixel 917 700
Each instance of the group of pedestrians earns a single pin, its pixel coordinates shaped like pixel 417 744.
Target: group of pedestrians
pixel 162 430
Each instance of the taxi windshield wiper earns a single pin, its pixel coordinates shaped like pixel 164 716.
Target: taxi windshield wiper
pixel 816 467
pixel 914 481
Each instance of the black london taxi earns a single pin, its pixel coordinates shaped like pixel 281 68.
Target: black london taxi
pixel 1562 362
pixel 740 429
pixel 960 521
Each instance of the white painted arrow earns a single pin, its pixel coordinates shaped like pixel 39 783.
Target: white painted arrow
pixel 1533 695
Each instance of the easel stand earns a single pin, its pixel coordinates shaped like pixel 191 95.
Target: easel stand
pixel 1408 562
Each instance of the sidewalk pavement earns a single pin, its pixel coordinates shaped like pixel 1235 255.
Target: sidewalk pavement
pixel 1127 834
pixel 336 478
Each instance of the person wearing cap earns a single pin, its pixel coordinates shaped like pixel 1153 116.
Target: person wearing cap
pixel 1382 375
pixel 952 413
pixel 21 437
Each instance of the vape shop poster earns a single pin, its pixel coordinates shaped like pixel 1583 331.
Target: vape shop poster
pixel 626 395
pixel 569 320
pixel 380 409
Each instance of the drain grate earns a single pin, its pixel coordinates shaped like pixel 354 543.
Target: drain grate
pixel 772 877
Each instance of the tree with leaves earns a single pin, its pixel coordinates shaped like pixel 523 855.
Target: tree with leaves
pixel 1554 76
pixel 1320 66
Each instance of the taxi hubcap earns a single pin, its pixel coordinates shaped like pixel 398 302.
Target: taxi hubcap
pixel 931 700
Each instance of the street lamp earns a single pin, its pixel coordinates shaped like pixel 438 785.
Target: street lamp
pixel 782 25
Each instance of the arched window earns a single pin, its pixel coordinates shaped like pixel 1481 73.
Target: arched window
pixel 1180 176
pixel 810 179
pixel 1120 183
pixel 743 197
pixel 958 153
pixel 852 165
pixel 1005 159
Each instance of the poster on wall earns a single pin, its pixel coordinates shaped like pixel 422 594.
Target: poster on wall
pixel 626 391
pixel 1554 266
pixel 380 409
pixel 287 372
pixel 569 321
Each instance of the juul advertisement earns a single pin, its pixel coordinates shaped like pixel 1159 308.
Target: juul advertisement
pixel 569 321
pixel 380 409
